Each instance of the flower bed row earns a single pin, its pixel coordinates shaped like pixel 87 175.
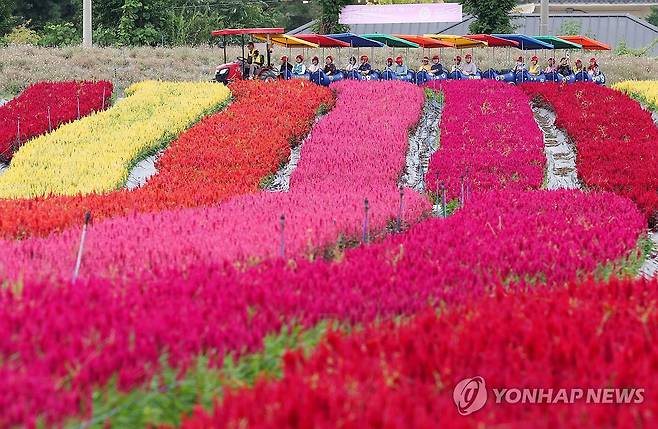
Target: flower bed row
pixel 95 154
pixel 224 155
pixel 64 340
pixel 44 106
pixel 589 336
pixel 357 151
pixel 614 136
pixel 489 139
pixel 643 90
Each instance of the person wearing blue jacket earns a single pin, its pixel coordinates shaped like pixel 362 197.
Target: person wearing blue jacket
pixel 401 68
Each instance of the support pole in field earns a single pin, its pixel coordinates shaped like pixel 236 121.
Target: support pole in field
pixel 282 249
pixel 366 207
pixel 18 131
pixel 443 200
pixel 50 122
pixel 401 208
pixel 543 22
pixel 86 24
pixel 78 261
pixel 103 100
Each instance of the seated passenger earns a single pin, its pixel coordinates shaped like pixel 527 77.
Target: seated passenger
pixel 564 69
pixel 351 65
pixel 425 65
pixel 299 67
pixel 469 69
pixel 579 67
pixel 519 66
pixel 256 64
pixel 534 66
pixel 456 66
pixel 315 65
pixel 550 68
pixel 401 68
pixel 285 65
pixel 437 67
pixel 593 68
pixel 389 65
pixel 365 68
pixel 329 66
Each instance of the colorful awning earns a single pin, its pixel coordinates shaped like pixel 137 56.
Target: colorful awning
pixel 525 42
pixel 587 43
pixel 424 42
pixel 392 41
pixel 493 41
pixel 558 43
pixel 323 41
pixel 459 42
pixel 356 41
pixel 286 41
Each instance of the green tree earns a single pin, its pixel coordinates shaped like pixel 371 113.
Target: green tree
pixel 329 16
pixel 6 16
pixel 492 16
pixel 653 16
pixel 42 12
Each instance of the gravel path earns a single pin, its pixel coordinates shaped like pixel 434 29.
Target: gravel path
pixel 560 152
pixel 422 145
pixel 650 267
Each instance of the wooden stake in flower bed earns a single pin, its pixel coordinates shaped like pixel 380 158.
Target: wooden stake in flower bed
pixel 282 250
pixel 365 221
pixel 78 261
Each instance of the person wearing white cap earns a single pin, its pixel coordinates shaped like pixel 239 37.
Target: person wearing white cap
pixel 469 69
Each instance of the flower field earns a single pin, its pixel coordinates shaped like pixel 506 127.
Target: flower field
pixel 615 139
pixel 644 90
pixel 44 106
pixel 202 299
pixel 84 157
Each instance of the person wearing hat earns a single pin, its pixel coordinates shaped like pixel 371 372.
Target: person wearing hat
pixel 564 69
pixel 365 68
pixel 401 68
pixel 299 67
pixel 389 65
pixel 425 65
pixel 285 66
pixel 519 67
pixel 437 67
pixel 329 66
pixel 315 65
pixel 579 67
pixel 469 69
pixel 257 61
pixel 534 66
pixel 551 67
pixel 593 68
pixel 249 60
pixel 456 66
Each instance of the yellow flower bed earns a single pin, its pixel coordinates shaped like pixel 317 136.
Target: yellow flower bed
pixel 96 153
pixel 643 90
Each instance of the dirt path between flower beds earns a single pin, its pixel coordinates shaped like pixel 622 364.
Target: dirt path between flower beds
pixel 422 145
pixel 561 172
pixel 649 269
pixel 141 172
pixel 281 180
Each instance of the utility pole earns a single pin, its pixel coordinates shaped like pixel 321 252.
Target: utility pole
pixel 86 24
pixel 543 23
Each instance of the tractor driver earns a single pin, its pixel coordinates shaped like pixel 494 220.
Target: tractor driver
pixel 257 62
pixel 250 59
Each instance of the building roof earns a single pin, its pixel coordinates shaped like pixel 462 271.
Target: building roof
pixel 597 2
